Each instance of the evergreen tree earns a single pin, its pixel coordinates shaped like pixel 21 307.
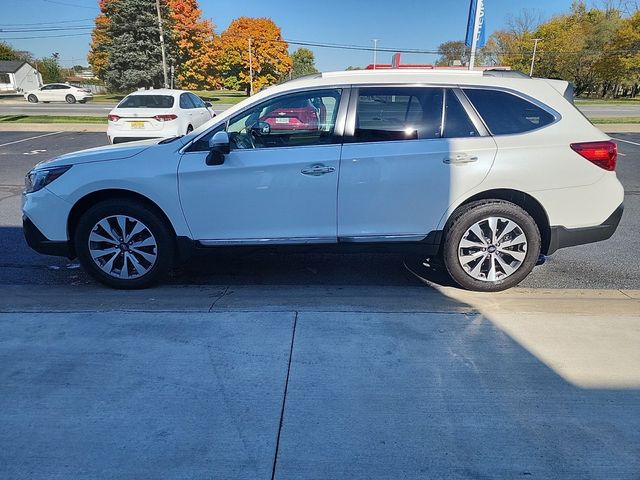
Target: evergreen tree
pixel 135 57
pixel 303 63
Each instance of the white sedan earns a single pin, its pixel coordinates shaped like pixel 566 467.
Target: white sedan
pixel 58 92
pixel 161 113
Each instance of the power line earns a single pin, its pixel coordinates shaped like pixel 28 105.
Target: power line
pixel 67 4
pixel 47 29
pixel 46 36
pixel 46 23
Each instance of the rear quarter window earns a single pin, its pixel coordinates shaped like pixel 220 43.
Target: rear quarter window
pixel 505 113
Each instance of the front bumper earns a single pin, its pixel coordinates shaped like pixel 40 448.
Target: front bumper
pixel 562 237
pixel 41 244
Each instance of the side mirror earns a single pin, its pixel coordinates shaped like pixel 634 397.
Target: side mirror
pixel 208 104
pixel 218 147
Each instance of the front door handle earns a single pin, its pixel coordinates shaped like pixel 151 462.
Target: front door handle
pixel 317 170
pixel 460 159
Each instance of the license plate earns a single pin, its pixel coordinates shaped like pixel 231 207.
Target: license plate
pixel 137 124
pixel 282 120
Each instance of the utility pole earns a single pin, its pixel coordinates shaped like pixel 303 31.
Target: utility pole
pixel 375 52
pixel 164 55
pixel 476 33
pixel 250 68
pixel 533 58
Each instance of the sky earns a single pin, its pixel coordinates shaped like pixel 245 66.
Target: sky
pixel 407 24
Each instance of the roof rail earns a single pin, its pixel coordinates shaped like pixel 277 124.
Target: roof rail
pixel 498 72
pixel 403 71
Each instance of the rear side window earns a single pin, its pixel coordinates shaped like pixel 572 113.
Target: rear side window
pixel 396 113
pixel 505 113
pixel 147 101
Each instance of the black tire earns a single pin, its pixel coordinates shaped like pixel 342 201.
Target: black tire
pixel 189 129
pixel 475 212
pixel 32 98
pixel 164 238
pixel 70 99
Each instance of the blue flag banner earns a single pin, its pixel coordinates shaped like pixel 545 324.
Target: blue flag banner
pixel 473 7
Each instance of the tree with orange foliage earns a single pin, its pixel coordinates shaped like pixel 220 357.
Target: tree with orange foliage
pixel 98 55
pixel 195 68
pixel 270 58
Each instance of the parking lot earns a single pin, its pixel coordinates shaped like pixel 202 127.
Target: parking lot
pixel 310 366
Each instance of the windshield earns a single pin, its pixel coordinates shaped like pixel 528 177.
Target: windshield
pixel 147 101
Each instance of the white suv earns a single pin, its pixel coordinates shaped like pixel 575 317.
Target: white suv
pixel 485 171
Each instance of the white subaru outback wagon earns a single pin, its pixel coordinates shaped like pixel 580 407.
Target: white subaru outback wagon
pixel 485 171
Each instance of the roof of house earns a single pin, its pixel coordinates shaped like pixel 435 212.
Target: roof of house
pixel 11 66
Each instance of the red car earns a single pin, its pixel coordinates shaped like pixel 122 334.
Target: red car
pixel 297 116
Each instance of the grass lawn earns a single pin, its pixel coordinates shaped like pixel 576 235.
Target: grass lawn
pixel 228 97
pixel 620 120
pixel 50 119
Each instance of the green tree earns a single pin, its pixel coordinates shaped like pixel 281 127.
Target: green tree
pixel 453 51
pixel 303 63
pixel 7 52
pixel 134 54
pixel 49 68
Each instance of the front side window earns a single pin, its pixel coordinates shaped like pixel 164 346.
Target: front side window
pixel 147 101
pixel 294 120
pixel 457 123
pixel 398 113
pixel 197 101
pixel 505 113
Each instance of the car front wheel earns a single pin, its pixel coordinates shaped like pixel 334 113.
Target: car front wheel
pixel 123 245
pixel 70 99
pixel 32 98
pixel 491 245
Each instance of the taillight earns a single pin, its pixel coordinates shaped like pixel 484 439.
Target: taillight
pixel 113 118
pixel 602 154
pixel 165 118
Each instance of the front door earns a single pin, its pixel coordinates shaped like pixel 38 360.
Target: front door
pixel 279 183
pixel 409 153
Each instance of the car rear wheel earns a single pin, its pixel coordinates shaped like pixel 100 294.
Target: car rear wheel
pixel 189 129
pixel 123 245
pixel 491 245
pixel 32 98
pixel 70 99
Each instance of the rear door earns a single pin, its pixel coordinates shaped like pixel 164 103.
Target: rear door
pixel 409 152
pixel 201 110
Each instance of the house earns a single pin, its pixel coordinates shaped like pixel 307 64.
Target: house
pixel 17 76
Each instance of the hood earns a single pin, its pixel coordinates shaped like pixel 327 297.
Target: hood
pixel 100 154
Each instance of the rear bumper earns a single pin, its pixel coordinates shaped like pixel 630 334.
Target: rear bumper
pixel 41 244
pixel 562 237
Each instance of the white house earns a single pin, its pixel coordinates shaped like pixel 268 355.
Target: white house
pixel 17 76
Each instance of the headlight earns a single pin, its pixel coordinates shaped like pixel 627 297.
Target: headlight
pixel 41 177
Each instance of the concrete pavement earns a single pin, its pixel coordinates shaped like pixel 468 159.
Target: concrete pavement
pixel 268 382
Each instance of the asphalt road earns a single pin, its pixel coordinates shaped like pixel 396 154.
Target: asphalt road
pixel 611 264
pixel 610 111
pixel 75 110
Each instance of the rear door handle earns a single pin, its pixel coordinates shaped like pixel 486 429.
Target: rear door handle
pixel 317 170
pixel 460 159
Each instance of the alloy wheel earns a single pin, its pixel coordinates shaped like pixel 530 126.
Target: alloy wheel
pixel 123 247
pixel 492 249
